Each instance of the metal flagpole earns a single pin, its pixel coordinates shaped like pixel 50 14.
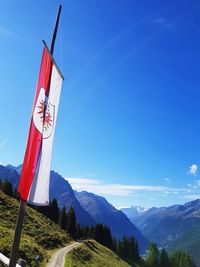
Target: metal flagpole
pixel 55 30
pixel 22 205
pixel 18 230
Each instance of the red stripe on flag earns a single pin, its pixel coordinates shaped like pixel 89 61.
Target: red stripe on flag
pixel 35 137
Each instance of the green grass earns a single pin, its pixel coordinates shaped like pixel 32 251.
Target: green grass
pixel 39 235
pixel 92 254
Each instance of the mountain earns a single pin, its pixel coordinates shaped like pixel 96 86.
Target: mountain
pixel 9 172
pixel 166 225
pixel 103 212
pixel 18 169
pixel 63 192
pixel 174 227
pixel 142 217
pixel 59 189
pixel 133 211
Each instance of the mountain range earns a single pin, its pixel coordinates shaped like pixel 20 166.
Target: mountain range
pixel 174 227
pixel 133 211
pixel 90 209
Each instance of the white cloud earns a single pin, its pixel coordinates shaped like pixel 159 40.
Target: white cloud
pixel 192 197
pixel 102 188
pixel 85 181
pixel 194 186
pixel 123 207
pixel 3 143
pixel 193 170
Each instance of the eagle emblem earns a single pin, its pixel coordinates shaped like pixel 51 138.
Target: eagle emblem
pixel 43 115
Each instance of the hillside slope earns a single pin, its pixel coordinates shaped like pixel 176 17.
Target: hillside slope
pixel 39 235
pixel 92 254
pixel 59 189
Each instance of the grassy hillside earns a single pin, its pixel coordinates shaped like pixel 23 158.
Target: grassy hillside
pixel 92 254
pixel 40 236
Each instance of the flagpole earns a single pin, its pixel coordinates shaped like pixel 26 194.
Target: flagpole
pixel 18 231
pixel 55 30
pixel 22 205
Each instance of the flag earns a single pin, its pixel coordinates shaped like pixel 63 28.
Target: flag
pixel 35 177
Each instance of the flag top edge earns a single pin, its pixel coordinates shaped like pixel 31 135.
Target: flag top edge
pixel 53 60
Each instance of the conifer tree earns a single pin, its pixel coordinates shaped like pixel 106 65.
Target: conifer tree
pixel 90 232
pixel 53 211
pixel 108 241
pixel 152 259
pixel 78 231
pixel 181 259
pixel 98 233
pixel 135 256
pixel 125 248
pixel 115 245
pixel 15 194
pixel 102 234
pixel 63 219
pixel 7 188
pixel 164 259
pixel 86 231
pixel 71 222
pixel 120 247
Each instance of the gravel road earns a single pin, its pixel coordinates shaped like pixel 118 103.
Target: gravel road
pixel 58 258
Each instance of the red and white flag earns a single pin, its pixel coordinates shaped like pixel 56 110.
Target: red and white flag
pixel 35 176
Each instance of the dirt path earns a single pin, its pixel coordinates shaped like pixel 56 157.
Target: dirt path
pixel 58 258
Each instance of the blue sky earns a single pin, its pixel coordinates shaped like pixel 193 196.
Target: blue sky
pixel 128 124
